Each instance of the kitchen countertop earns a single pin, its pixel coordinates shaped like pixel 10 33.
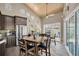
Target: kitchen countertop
pixel 3 41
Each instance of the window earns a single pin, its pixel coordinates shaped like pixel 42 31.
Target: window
pixel 53 29
pixel 70 34
pixel 77 48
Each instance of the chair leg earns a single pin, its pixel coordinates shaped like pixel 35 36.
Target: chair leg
pixel 46 51
pixel 55 42
pixel 19 53
pixel 49 52
pixel 41 51
pixel 34 51
pixel 26 53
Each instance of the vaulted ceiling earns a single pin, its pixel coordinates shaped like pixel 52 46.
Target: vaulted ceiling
pixel 43 9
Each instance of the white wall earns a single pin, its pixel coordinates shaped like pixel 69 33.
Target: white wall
pixel 20 9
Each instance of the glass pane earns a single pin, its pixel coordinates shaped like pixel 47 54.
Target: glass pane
pixel 54 30
pixel 70 33
pixel 77 52
pixel 67 32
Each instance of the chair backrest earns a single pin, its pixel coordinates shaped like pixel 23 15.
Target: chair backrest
pixel 21 43
pixel 48 42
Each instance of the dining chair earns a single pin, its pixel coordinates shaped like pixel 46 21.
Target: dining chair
pixel 53 37
pixel 24 48
pixel 21 47
pixel 45 45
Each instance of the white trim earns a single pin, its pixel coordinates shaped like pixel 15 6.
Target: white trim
pixel 71 14
pixel 67 49
pixel 64 32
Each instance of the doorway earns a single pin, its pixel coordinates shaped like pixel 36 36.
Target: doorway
pixel 54 29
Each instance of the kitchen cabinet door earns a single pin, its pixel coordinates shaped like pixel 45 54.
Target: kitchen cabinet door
pixel 1 22
pixel 9 22
pixel 20 20
pixel 11 41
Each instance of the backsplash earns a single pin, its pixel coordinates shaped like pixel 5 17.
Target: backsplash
pixel 4 33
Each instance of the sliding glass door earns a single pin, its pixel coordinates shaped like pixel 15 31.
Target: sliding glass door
pixel 77 48
pixel 70 34
pixel 67 32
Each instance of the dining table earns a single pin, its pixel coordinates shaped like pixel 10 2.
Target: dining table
pixel 36 42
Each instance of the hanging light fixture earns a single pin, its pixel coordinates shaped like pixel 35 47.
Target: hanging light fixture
pixel 46 10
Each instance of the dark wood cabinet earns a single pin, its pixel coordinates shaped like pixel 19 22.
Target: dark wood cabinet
pixel 6 22
pixel 2 21
pixel 11 41
pixel 20 20
pixel 2 49
pixel 9 22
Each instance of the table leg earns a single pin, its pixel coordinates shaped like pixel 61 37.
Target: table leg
pixel 26 47
pixel 46 51
pixel 36 49
pixel 49 51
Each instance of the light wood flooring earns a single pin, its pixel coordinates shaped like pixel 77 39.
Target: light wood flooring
pixel 56 50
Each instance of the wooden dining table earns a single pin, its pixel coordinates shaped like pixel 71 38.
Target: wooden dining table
pixel 36 41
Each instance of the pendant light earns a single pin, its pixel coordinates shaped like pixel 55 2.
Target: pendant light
pixel 46 10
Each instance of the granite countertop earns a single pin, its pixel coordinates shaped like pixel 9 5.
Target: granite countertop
pixel 3 41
